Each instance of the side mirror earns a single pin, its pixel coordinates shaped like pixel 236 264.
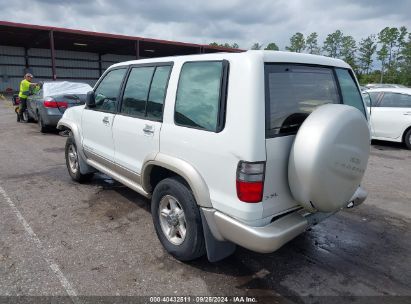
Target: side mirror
pixel 90 100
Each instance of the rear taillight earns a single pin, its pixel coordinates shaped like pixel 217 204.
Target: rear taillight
pixel 51 103
pixel 250 181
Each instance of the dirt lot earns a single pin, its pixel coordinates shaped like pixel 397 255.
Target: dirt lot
pixel 59 238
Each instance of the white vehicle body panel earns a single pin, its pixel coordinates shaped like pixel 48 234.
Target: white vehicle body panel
pixel 134 139
pixel 97 133
pixel 390 123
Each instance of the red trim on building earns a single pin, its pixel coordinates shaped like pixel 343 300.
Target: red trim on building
pixel 107 35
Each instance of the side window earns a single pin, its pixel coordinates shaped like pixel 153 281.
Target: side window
pixel 396 100
pixel 108 90
pixel 158 93
pixel 136 91
pixel 145 92
pixel 198 95
pixel 349 90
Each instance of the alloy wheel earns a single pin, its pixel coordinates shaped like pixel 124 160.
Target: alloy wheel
pixel 172 220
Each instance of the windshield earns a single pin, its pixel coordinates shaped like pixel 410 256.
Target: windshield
pixel 293 91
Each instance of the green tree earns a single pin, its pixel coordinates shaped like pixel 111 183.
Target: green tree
pixel 401 43
pixel 333 43
pixel 297 43
pixel 226 45
pixel 348 50
pixel 366 50
pixel 256 46
pixel 382 55
pixel 311 44
pixel 402 37
pixel 405 69
pixel 388 37
pixel 272 47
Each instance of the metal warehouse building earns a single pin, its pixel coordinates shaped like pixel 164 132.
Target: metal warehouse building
pixel 75 55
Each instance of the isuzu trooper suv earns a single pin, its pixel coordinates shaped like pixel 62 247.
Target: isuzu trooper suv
pixel 244 149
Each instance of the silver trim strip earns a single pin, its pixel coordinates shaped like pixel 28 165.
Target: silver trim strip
pixel 125 181
pixel 131 175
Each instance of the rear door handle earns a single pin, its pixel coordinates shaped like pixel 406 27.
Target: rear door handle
pixel 148 129
pixel 106 120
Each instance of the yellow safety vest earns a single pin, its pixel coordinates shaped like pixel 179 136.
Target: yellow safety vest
pixel 24 88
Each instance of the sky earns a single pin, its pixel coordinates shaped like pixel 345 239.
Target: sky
pixel 233 21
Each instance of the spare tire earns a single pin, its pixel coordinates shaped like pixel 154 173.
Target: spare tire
pixel 329 157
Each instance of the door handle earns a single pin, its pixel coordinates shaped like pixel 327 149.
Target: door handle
pixel 105 120
pixel 407 113
pixel 148 129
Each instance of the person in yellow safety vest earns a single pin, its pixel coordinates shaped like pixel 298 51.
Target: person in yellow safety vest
pixel 24 92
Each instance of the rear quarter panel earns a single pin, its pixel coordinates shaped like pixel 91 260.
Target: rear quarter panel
pixel 216 155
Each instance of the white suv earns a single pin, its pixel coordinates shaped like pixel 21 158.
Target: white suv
pixel 244 149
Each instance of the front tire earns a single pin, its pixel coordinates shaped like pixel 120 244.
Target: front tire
pixel 177 220
pixel 73 162
pixel 407 139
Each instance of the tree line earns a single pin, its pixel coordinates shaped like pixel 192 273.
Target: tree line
pixel 389 50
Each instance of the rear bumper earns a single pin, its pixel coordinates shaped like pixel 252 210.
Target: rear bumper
pixel 271 237
pixel 51 116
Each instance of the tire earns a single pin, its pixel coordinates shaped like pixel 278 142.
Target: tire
pixel 43 128
pixel 72 162
pixel 26 117
pixel 173 208
pixel 407 139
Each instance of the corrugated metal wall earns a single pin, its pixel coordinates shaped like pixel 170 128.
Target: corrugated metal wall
pixel 12 63
pixel 70 65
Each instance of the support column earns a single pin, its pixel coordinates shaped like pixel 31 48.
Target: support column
pixel 53 56
pixel 201 50
pixel 100 69
pixel 137 48
pixel 26 60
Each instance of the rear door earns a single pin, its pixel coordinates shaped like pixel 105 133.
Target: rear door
pixel 97 122
pixel 136 128
pixel 293 91
pixel 371 100
pixel 391 116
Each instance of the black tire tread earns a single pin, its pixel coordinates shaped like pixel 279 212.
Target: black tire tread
pixel 407 140
pixel 42 126
pixel 78 177
pixel 178 186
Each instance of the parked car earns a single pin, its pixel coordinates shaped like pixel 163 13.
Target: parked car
pixel 383 85
pixel 48 104
pixel 244 149
pixel 390 114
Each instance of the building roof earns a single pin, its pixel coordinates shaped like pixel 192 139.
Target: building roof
pixel 38 36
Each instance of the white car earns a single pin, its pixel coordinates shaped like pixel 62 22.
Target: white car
pixel 390 114
pixel 244 149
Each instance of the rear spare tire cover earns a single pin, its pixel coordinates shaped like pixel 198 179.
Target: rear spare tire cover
pixel 329 157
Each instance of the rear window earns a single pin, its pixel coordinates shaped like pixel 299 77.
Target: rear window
pixel 294 91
